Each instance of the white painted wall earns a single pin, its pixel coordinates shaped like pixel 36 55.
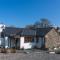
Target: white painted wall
pixel 6 42
pixel 21 42
pixel 29 45
pixel 26 45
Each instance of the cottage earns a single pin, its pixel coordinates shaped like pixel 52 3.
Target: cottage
pixel 25 38
pixel 20 38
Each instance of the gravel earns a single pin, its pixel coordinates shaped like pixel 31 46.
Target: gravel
pixel 34 55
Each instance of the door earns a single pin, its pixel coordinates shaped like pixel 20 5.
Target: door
pixel 17 43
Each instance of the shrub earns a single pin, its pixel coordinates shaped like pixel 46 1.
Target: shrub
pixel 57 51
pixel 51 48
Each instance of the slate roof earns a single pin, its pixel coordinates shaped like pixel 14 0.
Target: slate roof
pixel 43 31
pixel 11 31
pixel 28 32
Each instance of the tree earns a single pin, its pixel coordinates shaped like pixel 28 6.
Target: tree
pixel 43 23
pixel 29 26
pixel 37 24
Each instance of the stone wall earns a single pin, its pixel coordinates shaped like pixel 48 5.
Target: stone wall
pixel 52 39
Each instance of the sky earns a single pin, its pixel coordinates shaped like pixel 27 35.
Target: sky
pixel 20 13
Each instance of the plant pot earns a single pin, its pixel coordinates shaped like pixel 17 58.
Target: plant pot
pixel 57 51
pixel 2 50
pixel 11 50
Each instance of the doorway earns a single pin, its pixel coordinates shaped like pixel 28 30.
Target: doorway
pixel 17 43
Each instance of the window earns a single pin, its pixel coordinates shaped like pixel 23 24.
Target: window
pixel 28 39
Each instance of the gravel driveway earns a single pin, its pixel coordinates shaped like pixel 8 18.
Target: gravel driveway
pixel 29 56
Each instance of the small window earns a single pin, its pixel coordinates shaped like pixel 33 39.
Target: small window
pixel 28 39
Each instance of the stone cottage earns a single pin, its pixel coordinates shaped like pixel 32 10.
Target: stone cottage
pixel 25 38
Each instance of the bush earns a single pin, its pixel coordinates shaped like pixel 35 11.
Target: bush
pixel 51 48
pixel 57 51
